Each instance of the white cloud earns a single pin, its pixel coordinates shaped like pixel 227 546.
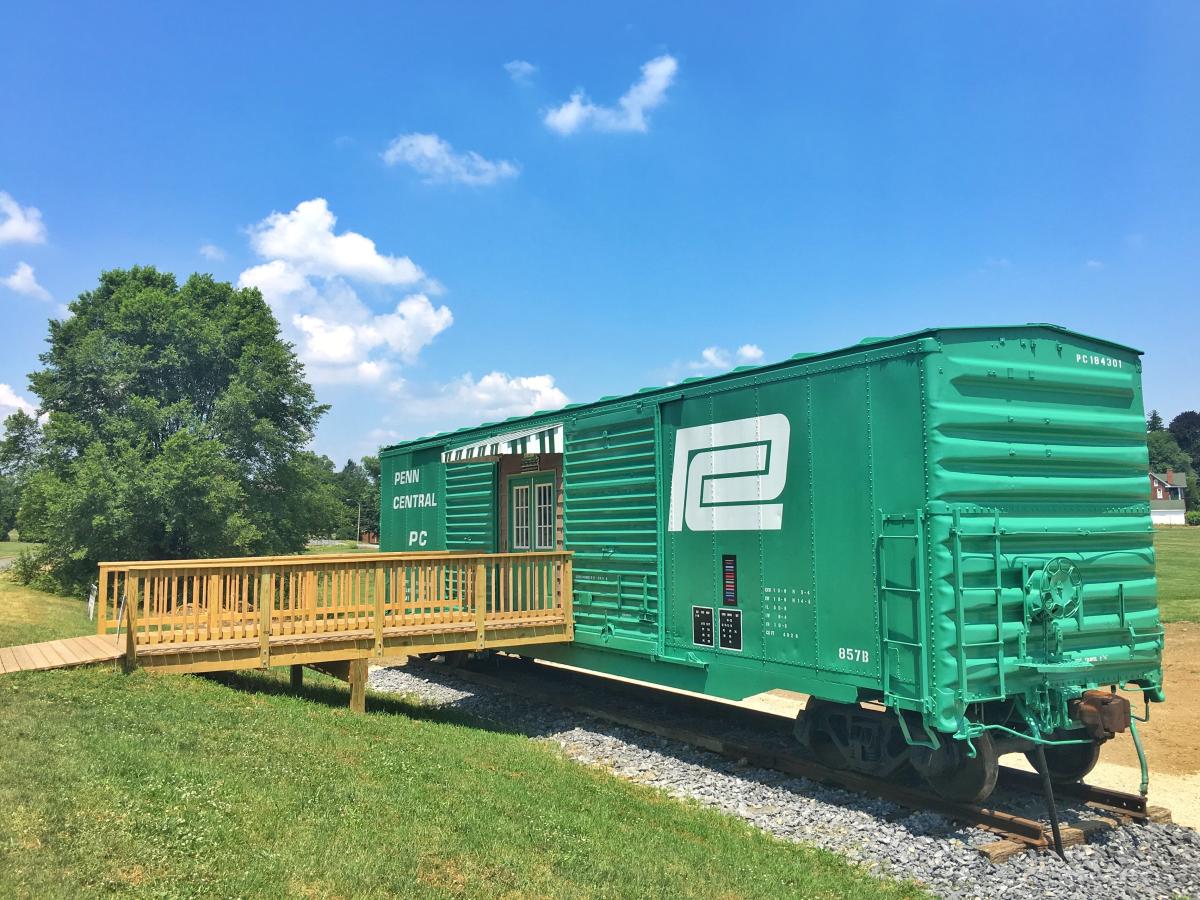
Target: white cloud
pixel 719 359
pixel 11 401
pixel 304 238
pixel 404 333
pixel 20 224
pixel 629 114
pixel 748 354
pixel 339 338
pixel 469 401
pixel 1093 264
pixel 212 252
pixel 520 70
pixel 23 281
pixel 436 161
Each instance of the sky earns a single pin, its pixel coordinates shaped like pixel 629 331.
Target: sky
pixel 463 212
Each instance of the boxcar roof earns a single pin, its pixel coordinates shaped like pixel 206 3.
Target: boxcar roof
pixel 550 416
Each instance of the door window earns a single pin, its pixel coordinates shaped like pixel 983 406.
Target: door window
pixel 544 538
pixel 533 512
pixel 520 517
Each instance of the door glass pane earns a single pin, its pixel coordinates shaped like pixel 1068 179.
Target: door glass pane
pixel 520 513
pixel 545 517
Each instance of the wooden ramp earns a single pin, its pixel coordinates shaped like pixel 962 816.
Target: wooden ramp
pixel 62 654
pixel 333 613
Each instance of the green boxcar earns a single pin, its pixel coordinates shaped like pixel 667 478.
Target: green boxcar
pixel 953 523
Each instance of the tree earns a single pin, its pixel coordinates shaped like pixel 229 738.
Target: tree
pixel 20 446
pixel 20 449
pixel 1186 429
pixel 1165 453
pixel 177 419
pixel 358 487
pixel 1154 422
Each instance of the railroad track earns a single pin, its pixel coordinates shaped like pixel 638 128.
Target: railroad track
pixel 1016 834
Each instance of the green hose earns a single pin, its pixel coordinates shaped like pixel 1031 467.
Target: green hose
pixel 1144 788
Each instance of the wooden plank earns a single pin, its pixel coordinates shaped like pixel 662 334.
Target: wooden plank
pixel 38 656
pixel 24 661
pixel 70 653
pixel 8 660
pixel 54 655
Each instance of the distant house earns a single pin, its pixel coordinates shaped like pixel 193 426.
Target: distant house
pixel 1166 497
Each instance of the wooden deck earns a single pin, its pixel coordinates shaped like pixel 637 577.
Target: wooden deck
pixel 61 654
pixel 334 613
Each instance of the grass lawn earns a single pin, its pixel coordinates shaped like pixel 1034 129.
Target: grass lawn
pixel 339 547
pixel 1177 549
pixel 159 785
pixel 15 548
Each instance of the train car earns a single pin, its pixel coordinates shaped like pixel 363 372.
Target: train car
pixel 942 538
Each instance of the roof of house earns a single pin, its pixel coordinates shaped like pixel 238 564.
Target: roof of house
pixel 1177 479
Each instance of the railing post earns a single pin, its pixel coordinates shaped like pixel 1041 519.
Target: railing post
pixel 480 601
pixel 568 595
pixel 212 595
pixel 130 661
pixel 102 601
pixel 266 600
pixel 379 598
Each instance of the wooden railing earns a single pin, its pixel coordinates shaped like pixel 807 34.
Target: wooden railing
pixel 264 598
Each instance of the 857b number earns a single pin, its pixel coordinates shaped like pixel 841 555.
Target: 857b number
pixel 854 654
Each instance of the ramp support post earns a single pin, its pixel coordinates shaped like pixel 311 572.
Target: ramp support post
pixel 358 685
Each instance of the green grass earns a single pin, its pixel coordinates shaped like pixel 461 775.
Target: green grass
pixel 14 548
pixel 1177 549
pixel 339 547
pixel 174 786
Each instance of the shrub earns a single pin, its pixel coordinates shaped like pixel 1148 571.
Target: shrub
pixel 30 567
pixel 1192 517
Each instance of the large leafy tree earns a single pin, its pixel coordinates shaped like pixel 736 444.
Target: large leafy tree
pixel 1186 429
pixel 358 488
pixel 177 419
pixel 1165 453
pixel 20 448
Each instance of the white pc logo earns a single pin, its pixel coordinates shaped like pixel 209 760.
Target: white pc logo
pixel 726 475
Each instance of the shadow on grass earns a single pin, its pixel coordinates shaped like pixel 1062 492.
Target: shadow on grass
pixel 336 696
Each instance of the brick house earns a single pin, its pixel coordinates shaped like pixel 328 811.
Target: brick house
pixel 1167 496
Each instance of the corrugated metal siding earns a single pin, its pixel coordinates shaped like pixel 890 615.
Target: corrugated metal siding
pixel 1058 450
pixel 471 506
pixel 610 521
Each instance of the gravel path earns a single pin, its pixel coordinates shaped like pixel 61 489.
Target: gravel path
pixel 1147 861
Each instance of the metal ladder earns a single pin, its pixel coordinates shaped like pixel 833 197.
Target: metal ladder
pixel 917 596
pixel 960 592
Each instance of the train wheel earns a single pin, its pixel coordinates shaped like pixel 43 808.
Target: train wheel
pixel 967 779
pixel 1069 762
pixel 821 733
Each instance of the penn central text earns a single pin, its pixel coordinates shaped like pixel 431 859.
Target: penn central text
pixel 412 501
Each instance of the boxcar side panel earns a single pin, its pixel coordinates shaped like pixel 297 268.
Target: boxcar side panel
pixel 412 501
pixel 610 521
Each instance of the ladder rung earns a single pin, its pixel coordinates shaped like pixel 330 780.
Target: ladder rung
pixel 902 643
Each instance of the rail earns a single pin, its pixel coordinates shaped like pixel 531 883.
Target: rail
pixel 293 599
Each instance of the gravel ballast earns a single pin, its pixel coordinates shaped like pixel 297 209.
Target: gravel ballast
pixel 1137 861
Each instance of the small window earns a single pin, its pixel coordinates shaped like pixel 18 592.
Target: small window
pixel 545 516
pixel 1160 496
pixel 520 513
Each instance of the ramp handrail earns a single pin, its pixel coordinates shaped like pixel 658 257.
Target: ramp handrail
pixel 187 601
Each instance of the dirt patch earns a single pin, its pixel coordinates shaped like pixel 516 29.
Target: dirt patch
pixel 1172 736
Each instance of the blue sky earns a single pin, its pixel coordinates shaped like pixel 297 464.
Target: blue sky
pixel 643 194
